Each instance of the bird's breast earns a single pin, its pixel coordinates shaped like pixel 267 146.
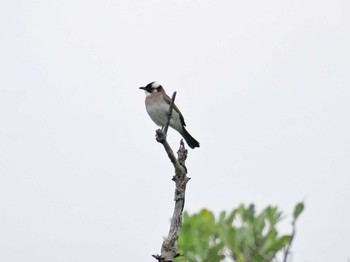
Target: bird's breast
pixel 157 109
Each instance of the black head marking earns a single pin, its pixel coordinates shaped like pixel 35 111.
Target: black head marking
pixel 152 87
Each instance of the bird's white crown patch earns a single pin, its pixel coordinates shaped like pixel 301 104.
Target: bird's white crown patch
pixel 155 84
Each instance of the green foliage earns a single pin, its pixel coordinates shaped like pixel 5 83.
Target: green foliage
pixel 200 238
pixel 241 235
pixel 297 210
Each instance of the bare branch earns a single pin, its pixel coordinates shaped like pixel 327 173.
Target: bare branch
pixel 169 246
pixel 286 251
pixel 161 138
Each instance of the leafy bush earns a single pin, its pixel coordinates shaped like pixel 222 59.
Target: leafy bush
pixel 241 235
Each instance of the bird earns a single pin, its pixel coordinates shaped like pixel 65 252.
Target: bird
pixel 157 106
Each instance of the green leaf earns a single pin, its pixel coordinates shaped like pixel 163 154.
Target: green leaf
pixel 270 240
pixel 250 213
pixel 231 217
pixel 260 223
pixel 273 215
pixel 297 210
pixel 222 217
pixel 280 244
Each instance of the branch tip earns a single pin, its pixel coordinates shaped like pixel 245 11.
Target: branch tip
pixel 159 258
pixel 165 129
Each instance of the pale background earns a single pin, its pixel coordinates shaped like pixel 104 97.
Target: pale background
pixel 263 85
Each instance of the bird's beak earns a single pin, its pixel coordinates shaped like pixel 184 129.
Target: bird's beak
pixel 142 87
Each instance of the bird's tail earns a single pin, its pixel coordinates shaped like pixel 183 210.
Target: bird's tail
pixel 191 142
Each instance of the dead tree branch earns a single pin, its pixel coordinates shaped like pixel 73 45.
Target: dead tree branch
pixel 169 246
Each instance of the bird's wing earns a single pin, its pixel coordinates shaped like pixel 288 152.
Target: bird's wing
pixel 168 100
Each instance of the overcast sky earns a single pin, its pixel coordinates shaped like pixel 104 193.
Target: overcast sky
pixel 263 85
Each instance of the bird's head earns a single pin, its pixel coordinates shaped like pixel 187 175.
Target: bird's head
pixel 152 87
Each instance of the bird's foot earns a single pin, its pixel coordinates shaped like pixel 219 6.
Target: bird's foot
pixel 160 136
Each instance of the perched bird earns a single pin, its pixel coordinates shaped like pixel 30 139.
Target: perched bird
pixel 157 106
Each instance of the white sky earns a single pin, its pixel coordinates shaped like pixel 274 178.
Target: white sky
pixel 263 85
